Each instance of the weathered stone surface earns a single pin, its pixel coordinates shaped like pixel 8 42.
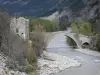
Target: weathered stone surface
pixel 20 26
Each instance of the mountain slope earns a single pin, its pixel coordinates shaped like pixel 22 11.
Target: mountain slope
pixel 28 7
pixel 39 7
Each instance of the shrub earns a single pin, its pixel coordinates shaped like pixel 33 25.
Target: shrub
pixel 32 73
pixel 28 68
pixel 38 40
pixel 98 41
pixel 31 53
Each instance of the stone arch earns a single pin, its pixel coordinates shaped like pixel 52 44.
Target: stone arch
pixel 74 44
pixel 86 45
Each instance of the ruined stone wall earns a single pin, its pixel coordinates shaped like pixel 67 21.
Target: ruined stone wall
pixel 20 26
pixel 14 43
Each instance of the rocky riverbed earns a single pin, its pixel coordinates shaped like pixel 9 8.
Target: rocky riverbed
pixel 4 70
pixel 52 63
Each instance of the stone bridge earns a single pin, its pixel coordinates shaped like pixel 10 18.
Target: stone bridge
pixel 80 40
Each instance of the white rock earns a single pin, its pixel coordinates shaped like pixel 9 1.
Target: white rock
pixel 55 64
pixel 4 70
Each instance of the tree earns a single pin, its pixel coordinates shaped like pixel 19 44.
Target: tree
pixel 74 27
pixel 83 27
pixel 4 31
pixel 38 40
pixel 48 26
pixel 98 42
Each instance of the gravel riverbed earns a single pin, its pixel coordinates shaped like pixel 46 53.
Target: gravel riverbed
pixel 4 70
pixel 52 63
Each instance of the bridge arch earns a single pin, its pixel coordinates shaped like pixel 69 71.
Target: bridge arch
pixel 81 40
pixel 86 45
pixel 71 42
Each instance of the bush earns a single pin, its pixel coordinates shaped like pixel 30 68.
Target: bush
pixel 32 73
pixel 31 53
pixel 38 40
pixel 28 68
pixel 98 41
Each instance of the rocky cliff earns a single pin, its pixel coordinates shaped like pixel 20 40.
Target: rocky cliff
pixel 84 9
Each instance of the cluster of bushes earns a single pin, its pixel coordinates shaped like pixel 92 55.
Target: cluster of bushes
pixel 48 26
pixel 84 28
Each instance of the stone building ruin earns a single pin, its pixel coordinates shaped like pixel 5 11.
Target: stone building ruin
pixel 14 39
pixel 20 26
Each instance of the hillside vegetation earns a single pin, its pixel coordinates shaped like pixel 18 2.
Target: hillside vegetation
pixel 47 25
pixel 84 28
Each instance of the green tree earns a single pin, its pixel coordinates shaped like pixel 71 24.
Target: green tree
pixel 83 27
pixel 31 53
pixel 98 41
pixel 48 26
pixel 74 27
